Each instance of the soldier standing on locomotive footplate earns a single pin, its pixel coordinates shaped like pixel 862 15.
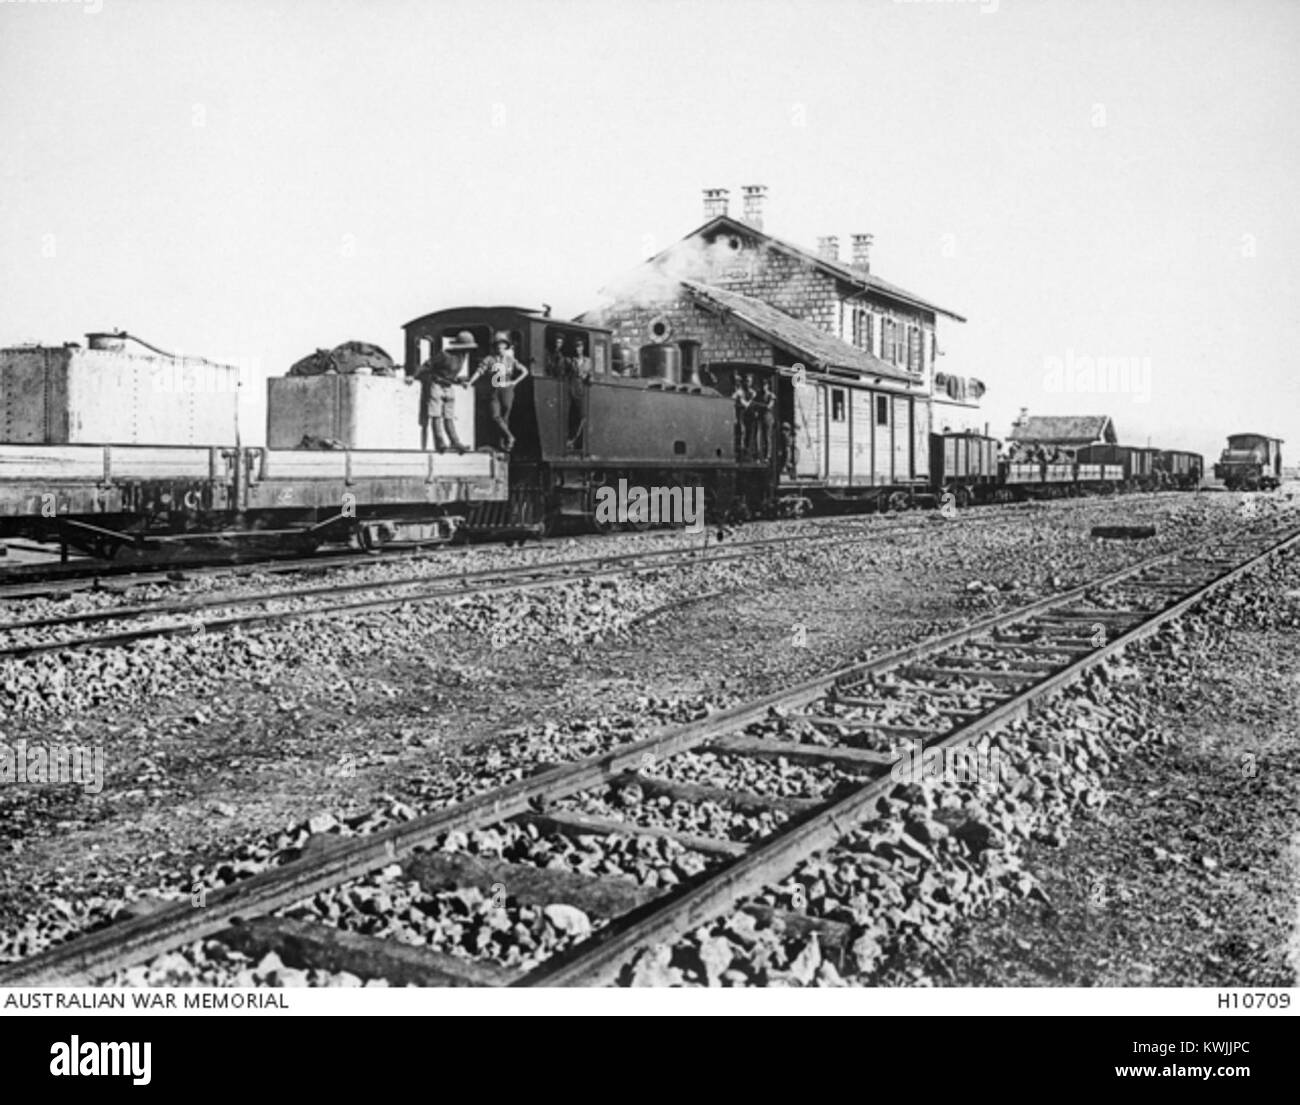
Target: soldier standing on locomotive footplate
pixel 579 381
pixel 503 372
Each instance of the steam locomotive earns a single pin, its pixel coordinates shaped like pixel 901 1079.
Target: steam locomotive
pixel 1251 462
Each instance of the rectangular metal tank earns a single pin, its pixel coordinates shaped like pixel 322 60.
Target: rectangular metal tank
pixel 74 396
pixel 358 411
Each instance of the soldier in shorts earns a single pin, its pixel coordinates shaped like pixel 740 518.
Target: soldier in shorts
pixel 438 378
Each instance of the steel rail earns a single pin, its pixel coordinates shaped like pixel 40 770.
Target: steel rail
pixel 33 580
pixel 431 589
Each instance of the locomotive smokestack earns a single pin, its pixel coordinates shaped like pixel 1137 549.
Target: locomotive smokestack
pixel 828 248
pixel 715 203
pixel 755 194
pixel 862 252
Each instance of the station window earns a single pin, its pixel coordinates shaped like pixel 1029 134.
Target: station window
pixel 837 404
pixel 882 410
pixel 892 342
pixel 863 337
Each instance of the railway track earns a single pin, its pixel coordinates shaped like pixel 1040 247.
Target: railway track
pixel 944 693
pixel 21 638
pixel 41 581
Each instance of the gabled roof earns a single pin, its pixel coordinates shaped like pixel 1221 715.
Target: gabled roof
pixel 798 338
pixel 854 277
pixel 1064 428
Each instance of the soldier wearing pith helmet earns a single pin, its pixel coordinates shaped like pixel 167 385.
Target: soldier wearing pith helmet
pixel 438 377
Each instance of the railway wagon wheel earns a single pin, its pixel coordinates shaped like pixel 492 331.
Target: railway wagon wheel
pixel 366 538
pixel 898 502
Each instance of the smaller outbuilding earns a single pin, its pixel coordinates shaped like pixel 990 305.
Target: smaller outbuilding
pixel 1071 431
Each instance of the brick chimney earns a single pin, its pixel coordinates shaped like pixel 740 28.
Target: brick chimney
pixel 862 251
pixel 754 196
pixel 828 248
pixel 715 203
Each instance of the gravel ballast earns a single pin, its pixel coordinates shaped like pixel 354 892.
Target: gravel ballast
pixel 415 710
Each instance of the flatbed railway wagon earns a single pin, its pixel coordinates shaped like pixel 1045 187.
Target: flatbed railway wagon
pixel 1251 462
pixel 118 446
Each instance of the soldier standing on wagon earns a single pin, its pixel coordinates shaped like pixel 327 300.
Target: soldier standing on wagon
pixel 764 420
pixel 438 377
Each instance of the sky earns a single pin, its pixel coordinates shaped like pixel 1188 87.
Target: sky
pixel 252 179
